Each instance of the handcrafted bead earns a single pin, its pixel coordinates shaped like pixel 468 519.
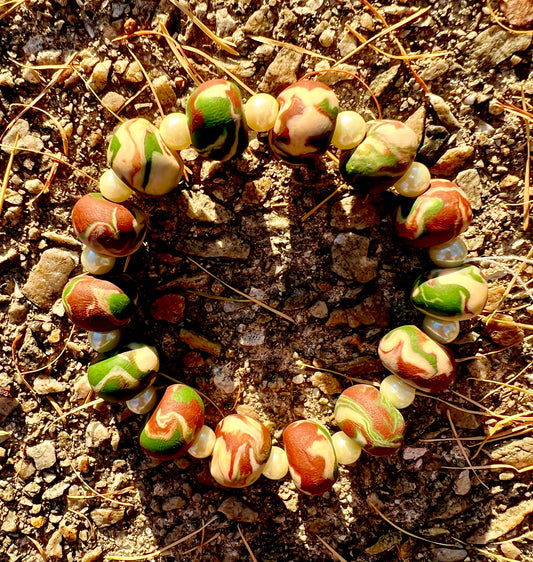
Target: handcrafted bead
pixel 415 181
pixel 435 217
pixel 367 417
pixel 103 341
pixel 350 130
pixel 399 393
pixel 113 188
pixel 96 305
pixel 140 158
pixel 124 374
pixel 347 450
pixel 108 228
pixel 216 120
pixel 305 122
pixel 204 443
pixel 261 111
pixel 311 456
pixel 277 464
pixel 449 254
pixel 143 402
pixel 451 294
pixel 242 448
pixel 383 157
pixel 443 331
pixel 413 356
pixel 175 423
pixel 174 131
pixel 96 263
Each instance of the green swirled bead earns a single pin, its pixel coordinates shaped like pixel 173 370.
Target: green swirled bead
pixel 124 374
pixel 216 120
pixel 457 293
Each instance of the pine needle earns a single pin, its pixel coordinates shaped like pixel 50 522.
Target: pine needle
pixel 179 53
pixel 499 557
pixel 91 526
pixel 150 83
pixel 7 173
pixel 527 178
pixel 198 548
pixel 502 25
pixel 335 554
pixel 85 406
pixel 322 203
pixel 7 12
pixel 290 46
pixel 49 179
pixel 39 548
pixel 301 364
pixel 254 559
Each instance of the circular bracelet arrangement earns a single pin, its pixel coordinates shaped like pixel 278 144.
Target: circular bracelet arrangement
pixel 301 124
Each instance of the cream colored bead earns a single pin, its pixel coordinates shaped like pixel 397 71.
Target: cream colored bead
pixel 204 443
pixel 350 130
pixel 113 188
pixel 103 341
pixel 450 254
pixel 143 402
pixel 261 111
pixel 442 331
pixel 346 449
pixel 277 464
pixel 96 263
pixel 415 181
pixel 174 131
pixel 397 391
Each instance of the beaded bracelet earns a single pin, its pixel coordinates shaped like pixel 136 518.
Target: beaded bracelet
pixel 301 123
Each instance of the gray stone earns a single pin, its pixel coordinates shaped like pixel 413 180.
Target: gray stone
pixel 352 213
pixel 26 139
pixel 172 503
pixel 383 80
pixel 452 160
pixel 436 68
pixel 517 453
pixel 235 510
pixel 282 71
pixel 319 310
pixel 224 246
pixel 462 484
pixel 260 22
pixel 470 182
pixel 494 45
pixel 43 454
pixel 443 111
pixel 105 517
pixel 449 554
pixel 350 260
pixel 7 402
pixel 56 491
pixel 199 206
pixel 417 122
pixel 225 24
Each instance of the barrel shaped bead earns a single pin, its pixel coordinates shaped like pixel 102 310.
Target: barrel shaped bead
pixel 174 424
pixel 311 455
pixel 242 448
pixel 217 124
pixel 412 355
pixel 368 418
pixel 305 123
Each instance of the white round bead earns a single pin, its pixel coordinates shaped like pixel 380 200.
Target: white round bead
pixel 415 181
pixel 277 464
pixel 103 341
pixel 350 130
pixel 113 188
pixel 143 402
pixel 96 263
pixel 346 449
pixel 450 254
pixel 442 331
pixel 204 443
pixel 261 111
pixel 174 131
pixel 398 392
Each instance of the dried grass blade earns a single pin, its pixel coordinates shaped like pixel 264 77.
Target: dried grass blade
pixel 149 81
pixel 527 177
pixel 14 7
pixel 502 25
pixel 252 556
pixel 48 182
pixel 322 203
pixel 275 43
pixel 7 173
pixel 332 551
pixel 73 411
pixel 177 49
pixel 39 548
pixel 506 385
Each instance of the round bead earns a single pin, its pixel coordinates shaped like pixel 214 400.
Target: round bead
pixel 346 449
pixel 113 188
pixel 415 181
pixel 140 158
pixel 242 448
pixel 103 341
pixel 367 417
pixel 125 374
pixel 143 402
pixel 350 130
pixel 216 120
pixel 305 122
pixel 175 423
pixel 399 393
pixel 413 356
pixel 457 293
pixel 261 111
pixel 442 331
pixel 311 456
pixel 95 263
pixel 449 254
pixel 174 131
pixel 277 464
pixel 435 217
pixel 204 443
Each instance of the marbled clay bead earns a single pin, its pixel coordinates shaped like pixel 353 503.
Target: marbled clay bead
pixel 174 424
pixel 457 293
pixel 383 157
pixel 305 123
pixel 413 356
pixel 124 374
pixel 96 305
pixel 140 158
pixel 367 417
pixel 435 217
pixel 109 228
pixel 311 456
pixel 216 120
pixel 242 448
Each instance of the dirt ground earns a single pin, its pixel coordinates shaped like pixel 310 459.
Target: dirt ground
pixel 80 489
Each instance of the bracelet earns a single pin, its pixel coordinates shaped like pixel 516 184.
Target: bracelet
pixel 301 124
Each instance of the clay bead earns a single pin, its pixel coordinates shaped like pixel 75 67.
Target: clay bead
pixel 174 424
pixel 311 456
